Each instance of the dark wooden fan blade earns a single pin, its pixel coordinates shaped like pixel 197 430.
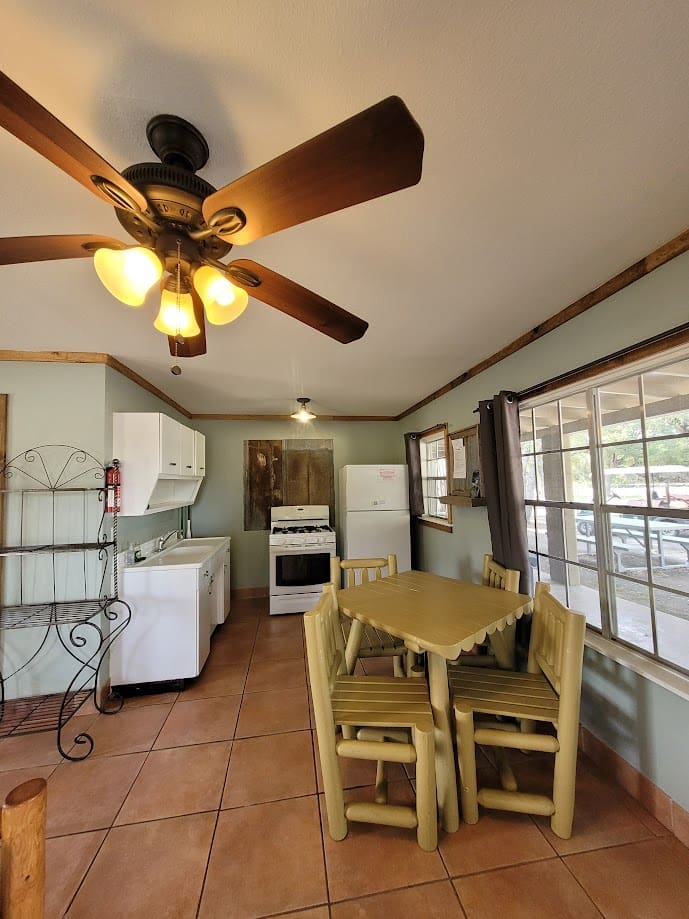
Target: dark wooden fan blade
pixel 296 301
pixel 376 152
pixel 22 116
pixel 191 347
pixel 17 249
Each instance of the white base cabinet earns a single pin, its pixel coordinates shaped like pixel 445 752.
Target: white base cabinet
pixel 168 637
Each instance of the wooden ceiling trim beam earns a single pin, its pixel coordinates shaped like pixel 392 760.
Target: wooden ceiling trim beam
pixel 221 417
pixel 669 250
pixel 93 357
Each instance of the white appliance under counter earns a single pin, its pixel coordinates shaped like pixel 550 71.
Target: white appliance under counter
pixel 177 597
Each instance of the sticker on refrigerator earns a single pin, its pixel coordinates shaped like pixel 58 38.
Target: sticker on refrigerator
pixel 387 472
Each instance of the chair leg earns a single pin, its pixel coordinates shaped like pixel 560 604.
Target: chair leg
pixel 564 781
pixel 426 809
pixel 397 666
pixel 410 656
pixel 381 794
pixel 466 757
pixel 353 644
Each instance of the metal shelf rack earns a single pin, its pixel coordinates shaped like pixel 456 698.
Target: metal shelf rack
pixel 58 578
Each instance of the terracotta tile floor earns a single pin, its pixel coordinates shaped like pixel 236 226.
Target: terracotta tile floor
pixel 208 803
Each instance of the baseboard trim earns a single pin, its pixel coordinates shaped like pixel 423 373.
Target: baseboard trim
pixel 659 804
pixel 249 593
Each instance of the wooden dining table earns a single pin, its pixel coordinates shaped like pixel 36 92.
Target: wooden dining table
pixel 443 617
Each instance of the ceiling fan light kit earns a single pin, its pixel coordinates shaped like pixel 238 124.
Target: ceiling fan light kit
pixel 303 414
pixel 183 226
pixel 222 301
pixel 128 274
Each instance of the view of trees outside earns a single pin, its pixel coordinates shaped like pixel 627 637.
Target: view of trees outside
pixel 641 439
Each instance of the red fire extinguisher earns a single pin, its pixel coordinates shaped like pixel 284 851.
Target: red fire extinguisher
pixel 113 482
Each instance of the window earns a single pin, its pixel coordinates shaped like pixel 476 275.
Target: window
pixel 606 484
pixel 433 446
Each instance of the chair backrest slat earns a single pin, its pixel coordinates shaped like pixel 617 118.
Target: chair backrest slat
pixel 557 640
pixel 360 570
pixel 496 575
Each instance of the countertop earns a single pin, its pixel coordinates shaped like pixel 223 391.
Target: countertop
pixel 185 553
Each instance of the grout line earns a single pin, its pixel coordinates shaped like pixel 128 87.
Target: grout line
pixel 581 886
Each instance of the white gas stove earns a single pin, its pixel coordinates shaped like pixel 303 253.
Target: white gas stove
pixel 301 543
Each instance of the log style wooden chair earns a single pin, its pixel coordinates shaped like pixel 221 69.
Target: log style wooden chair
pixel 495 575
pixel 22 851
pixel 363 640
pixel 385 719
pixel 548 693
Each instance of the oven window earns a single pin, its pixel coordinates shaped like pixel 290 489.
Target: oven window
pixel 302 570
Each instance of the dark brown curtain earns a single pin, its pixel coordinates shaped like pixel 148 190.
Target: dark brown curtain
pixel 504 490
pixel 413 453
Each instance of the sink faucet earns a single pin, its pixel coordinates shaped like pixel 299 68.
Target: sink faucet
pixel 163 539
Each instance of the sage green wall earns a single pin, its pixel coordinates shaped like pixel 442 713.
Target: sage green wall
pixel 644 723
pixel 219 508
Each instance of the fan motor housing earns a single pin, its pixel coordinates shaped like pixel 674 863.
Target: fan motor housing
pixel 175 196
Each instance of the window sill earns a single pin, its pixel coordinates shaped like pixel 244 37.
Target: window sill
pixel 436 523
pixel 652 670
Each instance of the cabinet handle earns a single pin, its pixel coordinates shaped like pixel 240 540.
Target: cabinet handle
pixel 188 467
pixel 172 464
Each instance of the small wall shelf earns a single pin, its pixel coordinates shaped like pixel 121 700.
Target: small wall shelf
pixel 463 501
pixel 466 475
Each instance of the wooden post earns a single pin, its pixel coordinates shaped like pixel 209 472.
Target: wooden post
pixel 23 851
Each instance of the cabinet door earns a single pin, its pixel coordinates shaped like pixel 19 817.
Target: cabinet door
pixel 186 450
pixel 170 446
pixel 199 453
pixel 226 592
pixel 205 616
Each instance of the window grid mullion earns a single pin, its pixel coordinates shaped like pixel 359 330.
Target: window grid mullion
pixel 608 612
pixel 647 529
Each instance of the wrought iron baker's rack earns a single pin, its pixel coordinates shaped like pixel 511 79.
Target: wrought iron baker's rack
pixel 59 555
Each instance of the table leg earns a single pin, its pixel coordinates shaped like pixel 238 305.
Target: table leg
pixel 445 772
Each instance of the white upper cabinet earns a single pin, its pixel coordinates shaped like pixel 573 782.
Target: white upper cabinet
pixel 199 453
pixel 158 459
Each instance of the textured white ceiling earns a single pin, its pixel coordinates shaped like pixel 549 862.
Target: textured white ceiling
pixel 557 153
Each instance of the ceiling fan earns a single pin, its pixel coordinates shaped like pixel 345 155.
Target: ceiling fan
pixel 183 226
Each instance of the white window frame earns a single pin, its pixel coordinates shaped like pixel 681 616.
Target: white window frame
pixel 645 663
pixel 433 435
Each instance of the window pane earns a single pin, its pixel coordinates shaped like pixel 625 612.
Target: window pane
pixel 581 541
pixel 620 411
pixel 666 395
pixel 625 475
pixel 668 462
pixel 575 421
pixel 633 613
pixel 629 546
pixel 550 484
pixel 583 593
pixel 553 573
pixel 529 474
pixel 578 481
pixel 672 625
pixel 547 427
pixel 670 540
pixel 531 528
pixel 526 430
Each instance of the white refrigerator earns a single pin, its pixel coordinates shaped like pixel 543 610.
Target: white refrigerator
pixel 374 513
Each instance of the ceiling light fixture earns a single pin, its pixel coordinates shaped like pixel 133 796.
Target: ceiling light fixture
pixel 129 274
pixel 222 301
pixel 303 414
